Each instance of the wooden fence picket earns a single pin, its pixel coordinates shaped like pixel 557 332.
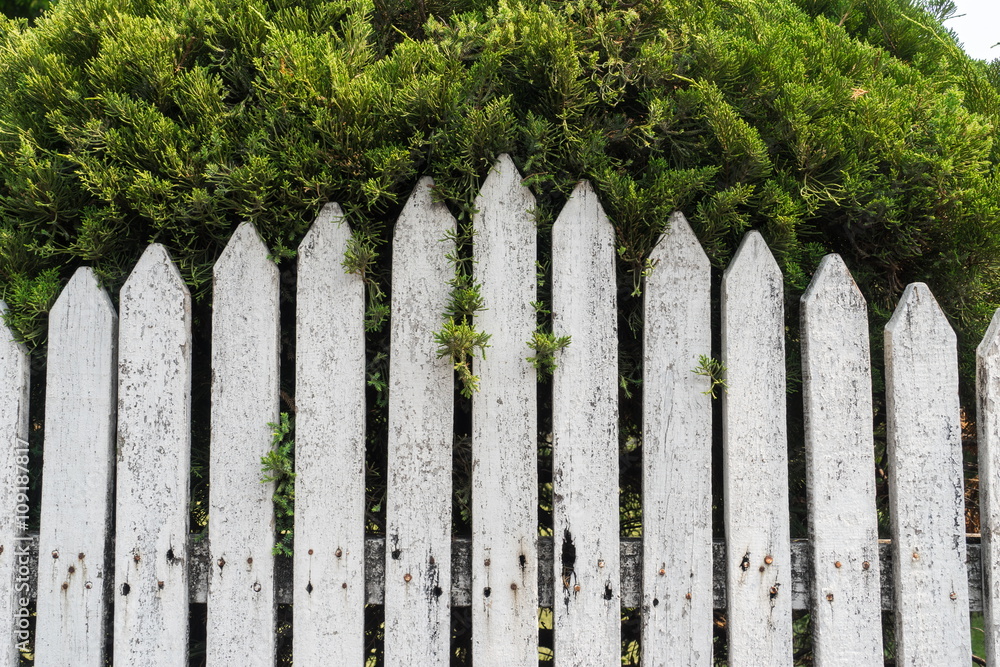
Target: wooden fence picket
pixel 245 347
pixel 755 461
pixel 926 499
pixel 988 435
pixel 587 602
pixel 840 465
pixel 73 576
pixel 421 415
pixel 329 573
pixel 14 577
pixel 677 454
pixel 504 431
pixel 154 458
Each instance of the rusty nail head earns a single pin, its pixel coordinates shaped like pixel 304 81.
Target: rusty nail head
pixel 762 568
pixel 407 577
pixel 916 556
pixel 256 587
pixel 829 596
pixel 310 552
pixel 222 562
pixel 865 565
pixel 159 584
pixel 338 553
pixel 344 585
pixel 55 554
pixel 65 585
pixel 662 571
pixel 838 565
pixel 687 596
pixel 774 590
pixel 577 588
pixel 432 561
pixel 136 558
pixel 600 563
pixel 88 585
pixel 80 555
pixel 953 596
pixel 250 560
pixel 486 562
pixel 768 560
pixel 72 569
pixel 513 587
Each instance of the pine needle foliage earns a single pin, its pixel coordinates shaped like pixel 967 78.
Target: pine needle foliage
pixel 830 125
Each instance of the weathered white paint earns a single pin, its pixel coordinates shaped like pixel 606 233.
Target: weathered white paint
pixel 755 460
pixel 329 589
pixel 840 469
pixel 585 436
pixel 245 348
pixel 504 431
pixel 77 475
pixel 926 499
pixel 154 465
pixel 677 454
pixel 988 434
pixel 14 544
pixel 421 409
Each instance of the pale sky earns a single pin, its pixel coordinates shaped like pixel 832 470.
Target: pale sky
pixel 979 29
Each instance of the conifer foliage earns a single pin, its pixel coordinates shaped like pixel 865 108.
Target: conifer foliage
pixel 854 126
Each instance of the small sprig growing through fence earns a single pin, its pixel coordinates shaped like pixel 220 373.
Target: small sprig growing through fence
pixel 359 259
pixel 458 338
pixel 715 371
pixel 546 345
pixel 278 466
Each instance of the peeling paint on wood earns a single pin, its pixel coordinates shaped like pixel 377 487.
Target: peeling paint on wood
pixel 755 460
pixel 15 378
pixel 78 475
pixel 421 408
pixel 677 454
pixel 154 464
pixel 504 428
pixel 840 465
pixel 328 619
pixel 988 434
pixel 585 436
pixel 245 347
pixel 926 497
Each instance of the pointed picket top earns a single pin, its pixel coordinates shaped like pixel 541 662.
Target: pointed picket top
pixel 677 452
pixel 678 244
pixel 154 456
pixel 755 461
pixel 504 431
pixel 421 412
pixel 14 377
pixel 837 402
pixel 926 494
pixel 988 434
pixel 245 376
pixel 328 590
pixel 585 434
pixel 78 473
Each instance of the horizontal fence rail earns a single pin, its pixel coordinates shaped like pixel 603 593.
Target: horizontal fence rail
pixel 114 539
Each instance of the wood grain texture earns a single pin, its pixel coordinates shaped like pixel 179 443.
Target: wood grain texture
pixel 988 434
pixel 840 469
pixel 677 454
pixel 504 431
pixel 926 499
pixel 15 377
pixel 154 465
pixel 421 415
pixel 329 590
pixel 585 436
pixel 755 460
pixel 245 346
pixel 77 475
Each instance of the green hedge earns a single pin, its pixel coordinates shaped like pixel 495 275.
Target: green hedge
pixel 855 127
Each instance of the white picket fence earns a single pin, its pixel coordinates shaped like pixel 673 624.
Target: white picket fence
pixel 117 431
